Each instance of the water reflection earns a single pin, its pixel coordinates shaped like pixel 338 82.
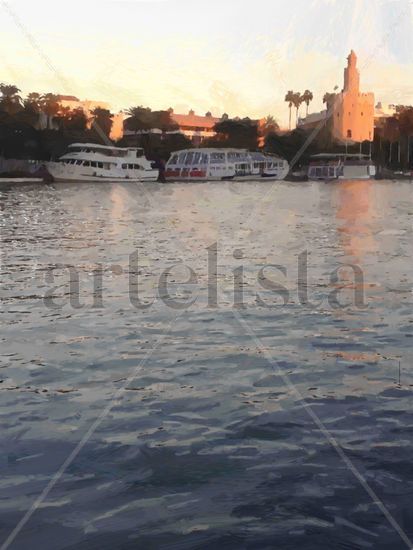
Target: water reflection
pixel 356 216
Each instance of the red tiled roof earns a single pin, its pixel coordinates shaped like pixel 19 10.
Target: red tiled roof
pixel 195 120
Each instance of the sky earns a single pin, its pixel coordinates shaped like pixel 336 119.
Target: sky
pixel 233 56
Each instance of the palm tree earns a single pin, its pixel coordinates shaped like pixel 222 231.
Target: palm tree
pixel 33 102
pixel 140 118
pixel 289 99
pixel 296 100
pixel 31 110
pixel 50 105
pixel 164 121
pixel 102 122
pixel 270 125
pixel 63 116
pixel 10 101
pixel 328 99
pixel 307 97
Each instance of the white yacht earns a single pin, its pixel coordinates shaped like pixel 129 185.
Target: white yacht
pixel 93 162
pixel 331 166
pixel 205 164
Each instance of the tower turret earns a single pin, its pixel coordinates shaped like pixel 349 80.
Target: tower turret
pixel 352 74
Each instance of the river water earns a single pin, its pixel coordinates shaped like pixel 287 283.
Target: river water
pixel 159 390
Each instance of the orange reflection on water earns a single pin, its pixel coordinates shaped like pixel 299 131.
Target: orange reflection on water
pixel 356 214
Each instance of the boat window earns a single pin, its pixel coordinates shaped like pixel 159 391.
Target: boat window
pixel 174 159
pixel 217 158
pixel 189 158
pixel 100 164
pixel 197 158
pixel 86 163
pixel 204 158
pixel 181 158
pixel 124 166
pixel 137 167
pixel 93 163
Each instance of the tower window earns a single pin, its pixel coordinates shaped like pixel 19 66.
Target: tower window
pixel 349 133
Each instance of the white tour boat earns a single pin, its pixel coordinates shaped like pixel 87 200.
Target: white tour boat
pixel 93 162
pixel 204 164
pixel 332 166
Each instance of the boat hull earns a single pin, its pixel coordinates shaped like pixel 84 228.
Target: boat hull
pixel 97 179
pixel 101 167
pixel 223 178
pixel 220 164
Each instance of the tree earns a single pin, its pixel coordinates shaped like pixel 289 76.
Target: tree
pixel 140 119
pixel 307 97
pixel 77 120
pixel 102 120
pixel 32 102
pixel 235 133
pixel 163 121
pixel 30 112
pixel 50 105
pixel 328 98
pixel 289 97
pixel 270 126
pixel 296 100
pixel 10 101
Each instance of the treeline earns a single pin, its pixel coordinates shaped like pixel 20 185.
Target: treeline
pixel 39 127
pixel 393 140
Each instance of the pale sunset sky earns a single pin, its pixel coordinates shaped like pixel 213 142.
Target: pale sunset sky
pixel 233 56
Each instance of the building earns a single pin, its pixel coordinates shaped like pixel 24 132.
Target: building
pixel 193 126
pixel 87 106
pixel 352 112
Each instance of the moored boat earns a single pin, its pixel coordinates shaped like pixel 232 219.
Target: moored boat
pixel 92 162
pixel 208 164
pixel 332 166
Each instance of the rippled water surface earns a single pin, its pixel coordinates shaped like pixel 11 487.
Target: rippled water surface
pixel 202 411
